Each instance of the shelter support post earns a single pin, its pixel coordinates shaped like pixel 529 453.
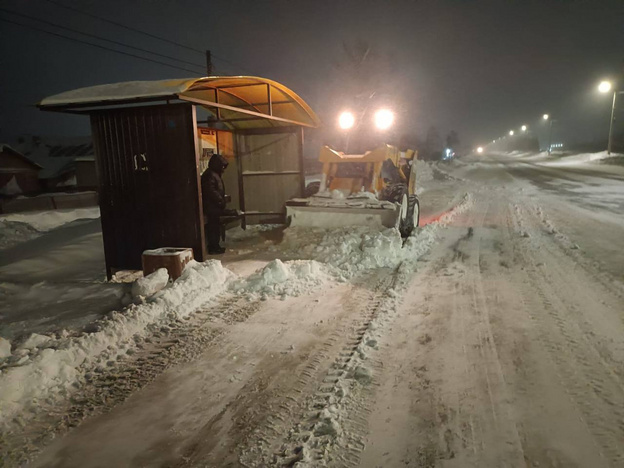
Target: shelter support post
pixel 202 232
pixel 301 166
pixel 239 167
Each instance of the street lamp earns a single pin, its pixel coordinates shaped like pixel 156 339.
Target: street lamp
pixel 604 87
pixel 511 132
pixel 545 116
pixel 524 128
pixel 480 149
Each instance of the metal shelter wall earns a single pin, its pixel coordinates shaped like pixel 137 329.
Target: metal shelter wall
pixel 270 171
pixel 148 182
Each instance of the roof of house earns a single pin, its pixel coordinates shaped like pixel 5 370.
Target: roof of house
pixel 4 148
pixel 56 155
pixel 54 167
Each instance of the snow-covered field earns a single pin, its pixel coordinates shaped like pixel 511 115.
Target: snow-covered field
pixel 491 337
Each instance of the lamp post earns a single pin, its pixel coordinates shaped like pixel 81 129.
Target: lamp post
pixel 550 128
pixel 605 87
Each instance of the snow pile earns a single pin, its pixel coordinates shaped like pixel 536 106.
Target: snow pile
pixel 523 154
pixel 291 278
pixel 365 195
pixel 53 370
pixel 35 341
pixel 581 158
pixel 334 194
pixel 13 233
pixel 563 159
pixel 5 348
pixel 353 249
pixel 150 284
pixel 44 221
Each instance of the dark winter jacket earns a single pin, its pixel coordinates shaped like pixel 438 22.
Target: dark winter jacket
pixel 213 190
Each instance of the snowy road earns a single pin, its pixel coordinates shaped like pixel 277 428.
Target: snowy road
pixel 503 347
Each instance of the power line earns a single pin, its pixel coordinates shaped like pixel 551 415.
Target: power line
pixel 124 26
pixel 98 46
pixel 153 36
pixel 50 23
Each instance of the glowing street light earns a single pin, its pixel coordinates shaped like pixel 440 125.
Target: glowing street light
pixel 346 120
pixel 480 149
pixel 511 132
pixel 605 86
pixel 545 116
pixel 524 128
pixel 384 119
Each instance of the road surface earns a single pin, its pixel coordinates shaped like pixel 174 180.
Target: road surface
pixel 503 348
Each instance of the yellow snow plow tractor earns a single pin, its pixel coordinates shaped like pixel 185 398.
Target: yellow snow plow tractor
pixel 377 188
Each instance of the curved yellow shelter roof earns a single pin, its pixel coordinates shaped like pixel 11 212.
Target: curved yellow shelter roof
pixel 238 101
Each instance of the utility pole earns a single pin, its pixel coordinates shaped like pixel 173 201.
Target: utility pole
pixel 208 63
pixel 610 144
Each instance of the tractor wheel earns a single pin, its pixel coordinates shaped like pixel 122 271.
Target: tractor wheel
pixel 409 215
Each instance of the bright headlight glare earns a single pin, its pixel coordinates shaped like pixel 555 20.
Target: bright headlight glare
pixel 346 120
pixel 480 149
pixel 384 119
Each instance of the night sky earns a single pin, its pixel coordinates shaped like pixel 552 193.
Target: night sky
pixel 478 67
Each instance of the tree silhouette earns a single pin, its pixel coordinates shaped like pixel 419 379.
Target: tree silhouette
pixel 452 139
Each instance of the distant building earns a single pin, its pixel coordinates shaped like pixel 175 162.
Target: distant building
pixel 18 174
pixel 68 163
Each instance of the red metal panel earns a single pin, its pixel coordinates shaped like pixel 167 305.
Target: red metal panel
pixel 148 182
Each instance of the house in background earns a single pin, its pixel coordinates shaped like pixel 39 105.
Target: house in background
pixel 18 174
pixel 68 162
pixel 86 175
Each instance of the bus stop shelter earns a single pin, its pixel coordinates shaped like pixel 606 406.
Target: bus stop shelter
pixel 153 140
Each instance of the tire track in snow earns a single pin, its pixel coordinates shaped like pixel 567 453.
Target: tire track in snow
pixel 103 389
pixel 590 381
pixel 330 426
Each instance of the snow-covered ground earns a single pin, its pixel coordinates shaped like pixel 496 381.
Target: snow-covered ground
pixel 491 337
pixel 565 158
pixel 20 227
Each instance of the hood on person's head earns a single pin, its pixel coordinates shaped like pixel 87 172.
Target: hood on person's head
pixel 217 163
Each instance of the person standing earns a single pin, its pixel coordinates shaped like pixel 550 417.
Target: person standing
pixel 214 201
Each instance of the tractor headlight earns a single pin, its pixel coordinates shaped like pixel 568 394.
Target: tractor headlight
pixel 346 120
pixel 384 119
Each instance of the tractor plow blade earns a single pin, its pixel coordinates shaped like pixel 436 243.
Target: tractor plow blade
pixel 336 217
